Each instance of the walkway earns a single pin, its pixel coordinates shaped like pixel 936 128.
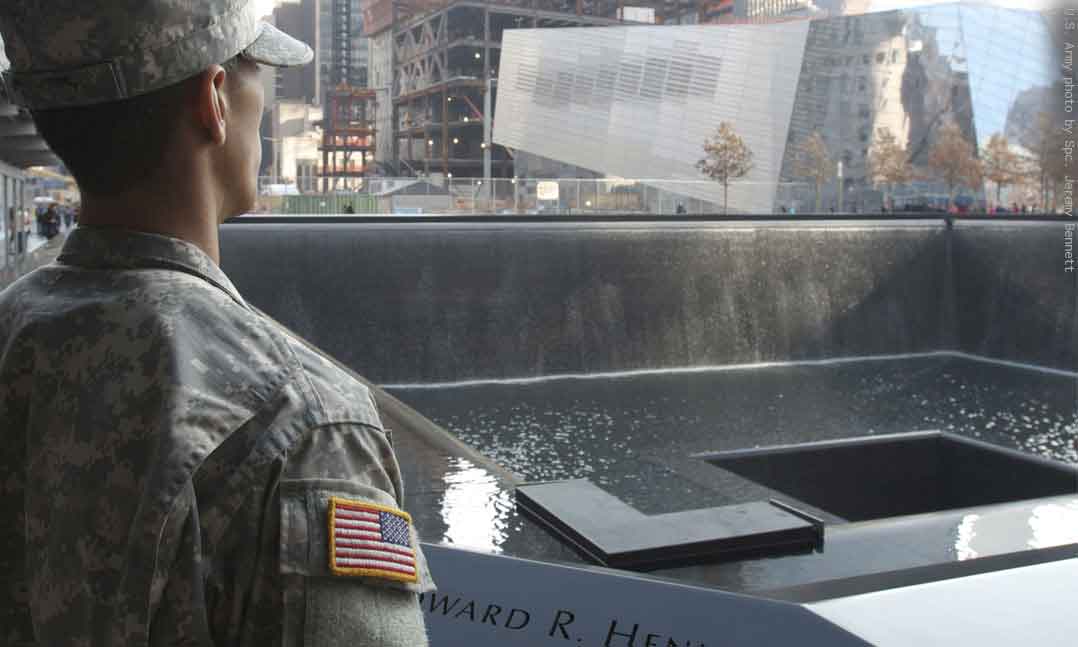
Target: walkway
pixel 40 251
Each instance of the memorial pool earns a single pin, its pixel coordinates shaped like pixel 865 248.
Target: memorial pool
pixel 960 326
pixel 635 434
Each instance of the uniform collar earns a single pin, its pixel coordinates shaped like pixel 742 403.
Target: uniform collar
pixel 117 248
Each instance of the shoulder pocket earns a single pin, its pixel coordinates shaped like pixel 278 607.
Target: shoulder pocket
pixel 345 530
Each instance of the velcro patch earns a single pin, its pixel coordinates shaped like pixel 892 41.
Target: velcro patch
pixel 370 540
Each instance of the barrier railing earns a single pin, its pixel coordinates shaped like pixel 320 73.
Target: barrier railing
pixel 440 195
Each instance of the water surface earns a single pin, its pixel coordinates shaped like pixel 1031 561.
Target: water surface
pixel 635 435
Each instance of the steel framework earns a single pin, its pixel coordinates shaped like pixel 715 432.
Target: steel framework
pixel 445 56
pixel 347 130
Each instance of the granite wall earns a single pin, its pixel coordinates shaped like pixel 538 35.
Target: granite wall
pixel 435 302
pixel 1014 298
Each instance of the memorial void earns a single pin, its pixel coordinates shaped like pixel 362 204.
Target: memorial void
pixel 713 422
pixel 639 102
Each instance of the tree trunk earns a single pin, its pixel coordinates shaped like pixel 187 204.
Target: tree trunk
pixel 819 197
pixel 725 195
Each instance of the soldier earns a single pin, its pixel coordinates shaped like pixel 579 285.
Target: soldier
pixel 177 468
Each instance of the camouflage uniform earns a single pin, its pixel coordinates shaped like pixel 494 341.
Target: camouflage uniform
pixel 168 458
pixel 176 468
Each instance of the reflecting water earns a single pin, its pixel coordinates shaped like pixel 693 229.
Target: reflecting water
pixel 475 508
pixel 634 436
pixel 1016 527
pixel 966 532
pixel 1054 525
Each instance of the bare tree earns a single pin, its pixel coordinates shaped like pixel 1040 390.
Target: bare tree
pixel 1001 165
pixel 888 163
pixel 813 162
pixel 1055 175
pixel 1028 187
pixel 1046 164
pixel 727 158
pixel 954 161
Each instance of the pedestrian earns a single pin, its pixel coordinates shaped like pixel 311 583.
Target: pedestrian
pixel 51 222
pixel 27 224
pixel 12 229
pixel 177 468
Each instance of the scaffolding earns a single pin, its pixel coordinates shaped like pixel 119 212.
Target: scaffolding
pixel 348 137
pixel 444 61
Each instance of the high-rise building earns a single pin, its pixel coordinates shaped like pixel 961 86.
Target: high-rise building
pixel 300 19
pixel 342 46
pixel 334 29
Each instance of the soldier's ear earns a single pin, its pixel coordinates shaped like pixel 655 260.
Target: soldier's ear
pixel 212 104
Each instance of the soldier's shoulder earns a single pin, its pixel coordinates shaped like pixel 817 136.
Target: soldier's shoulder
pixel 191 312
pixel 341 396
pixel 187 328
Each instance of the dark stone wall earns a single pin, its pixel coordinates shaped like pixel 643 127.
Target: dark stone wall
pixel 430 302
pixel 1013 298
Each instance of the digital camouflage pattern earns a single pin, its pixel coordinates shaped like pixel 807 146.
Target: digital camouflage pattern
pixel 81 52
pixel 168 455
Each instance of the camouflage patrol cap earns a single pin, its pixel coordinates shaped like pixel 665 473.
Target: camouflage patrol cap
pixel 67 53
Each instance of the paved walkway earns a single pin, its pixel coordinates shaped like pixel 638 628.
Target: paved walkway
pixel 40 251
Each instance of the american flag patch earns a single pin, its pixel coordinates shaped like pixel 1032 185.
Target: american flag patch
pixel 372 540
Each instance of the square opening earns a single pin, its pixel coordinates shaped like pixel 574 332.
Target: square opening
pixel 887 476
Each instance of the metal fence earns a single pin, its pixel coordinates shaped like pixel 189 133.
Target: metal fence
pixel 449 195
pixel 439 195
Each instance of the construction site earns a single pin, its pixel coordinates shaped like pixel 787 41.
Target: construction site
pixel 434 65
pixel 348 137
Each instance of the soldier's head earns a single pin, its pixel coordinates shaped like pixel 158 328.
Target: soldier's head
pixel 123 89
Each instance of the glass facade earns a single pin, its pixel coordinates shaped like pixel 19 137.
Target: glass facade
pixel 639 102
pixel 343 50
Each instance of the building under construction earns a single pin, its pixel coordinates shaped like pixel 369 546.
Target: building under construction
pixel 348 137
pixel 432 63
pixel 333 87
pixel 348 133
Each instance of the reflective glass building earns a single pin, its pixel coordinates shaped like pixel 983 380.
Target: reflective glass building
pixel 639 102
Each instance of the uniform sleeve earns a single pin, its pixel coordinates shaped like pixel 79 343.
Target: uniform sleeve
pixel 349 556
